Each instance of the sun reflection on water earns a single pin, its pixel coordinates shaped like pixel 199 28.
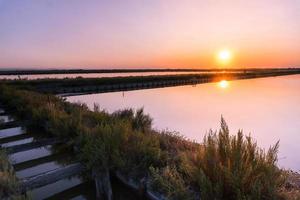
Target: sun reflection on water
pixel 223 84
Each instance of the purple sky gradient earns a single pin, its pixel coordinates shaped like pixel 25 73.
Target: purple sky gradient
pixel 143 33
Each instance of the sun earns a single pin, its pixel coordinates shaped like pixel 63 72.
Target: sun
pixel 224 56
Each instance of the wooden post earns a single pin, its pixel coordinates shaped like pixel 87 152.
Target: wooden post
pixel 103 184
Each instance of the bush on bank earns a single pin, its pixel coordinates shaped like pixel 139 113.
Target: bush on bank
pixel 222 167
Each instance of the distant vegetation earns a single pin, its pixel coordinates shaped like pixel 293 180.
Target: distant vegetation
pixel 81 85
pixel 222 167
pixel 78 71
pixel 88 71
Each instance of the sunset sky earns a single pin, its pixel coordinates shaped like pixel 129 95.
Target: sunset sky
pixel 148 33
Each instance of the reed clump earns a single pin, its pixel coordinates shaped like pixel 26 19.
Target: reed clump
pixel 233 167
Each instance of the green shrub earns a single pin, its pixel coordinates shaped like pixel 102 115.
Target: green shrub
pixel 101 146
pixel 141 151
pixel 138 119
pixel 170 183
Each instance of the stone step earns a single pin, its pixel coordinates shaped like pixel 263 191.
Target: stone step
pixel 9 132
pixel 86 190
pixel 31 163
pixel 33 145
pixel 10 124
pixel 49 190
pixel 17 142
pixel 29 155
pixel 6 119
pixel 39 169
pixel 3 113
pixel 14 138
pixel 51 176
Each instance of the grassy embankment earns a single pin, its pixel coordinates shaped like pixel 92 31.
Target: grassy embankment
pixel 135 82
pixel 222 167
pixel 88 71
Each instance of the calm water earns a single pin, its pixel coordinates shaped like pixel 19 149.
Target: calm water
pixel 268 108
pixel 91 75
pixel 99 75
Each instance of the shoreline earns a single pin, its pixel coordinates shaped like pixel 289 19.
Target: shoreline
pixel 88 71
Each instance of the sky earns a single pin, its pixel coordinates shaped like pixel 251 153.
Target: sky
pixel 148 33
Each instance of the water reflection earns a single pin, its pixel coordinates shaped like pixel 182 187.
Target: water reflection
pixel 268 108
pixel 223 84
